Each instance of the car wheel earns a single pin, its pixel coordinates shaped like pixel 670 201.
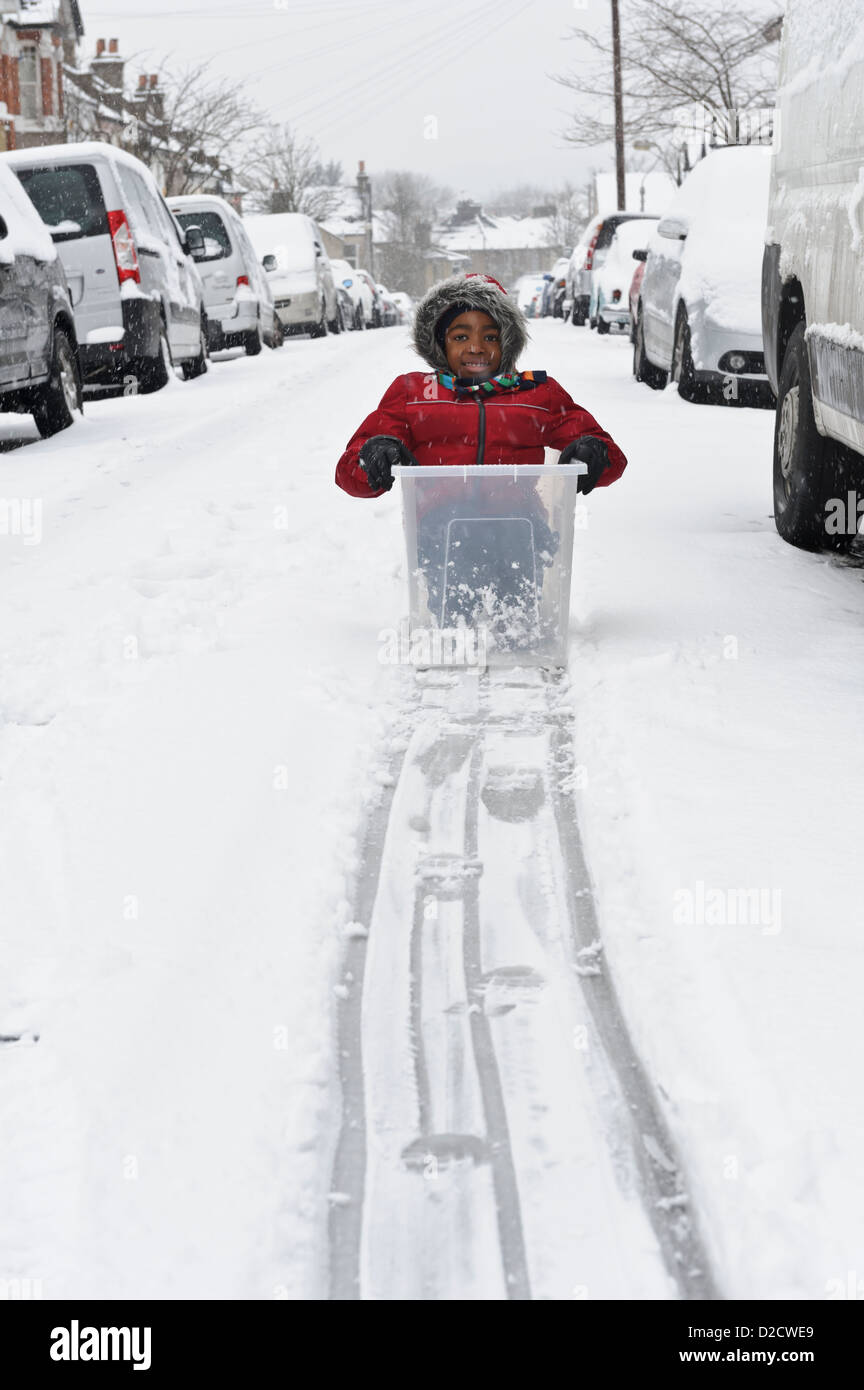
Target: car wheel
pixel 277 336
pixel 153 372
pixel 252 341
pixel 683 370
pixel 197 366
pixel 602 326
pixel 809 468
pixel 579 312
pixel 319 329
pixel 55 403
pixel 643 368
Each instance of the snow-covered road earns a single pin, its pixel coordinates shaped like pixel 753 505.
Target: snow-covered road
pixel 195 724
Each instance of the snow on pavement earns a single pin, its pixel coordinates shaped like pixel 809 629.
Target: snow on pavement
pixel 193 716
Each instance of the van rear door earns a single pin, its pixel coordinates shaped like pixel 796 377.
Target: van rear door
pixel 68 198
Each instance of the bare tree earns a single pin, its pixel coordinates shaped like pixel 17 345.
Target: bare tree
pixel 193 119
pixel 285 174
pixel 684 67
pixel 571 215
pixel 519 201
pixel 330 172
pixel 409 205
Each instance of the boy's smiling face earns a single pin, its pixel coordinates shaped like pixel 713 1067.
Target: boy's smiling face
pixel 473 345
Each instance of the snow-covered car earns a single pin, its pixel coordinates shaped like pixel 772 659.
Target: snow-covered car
pixel 813 277
pixel 237 296
pixel 528 291
pixel 38 366
pixel 360 289
pixel 404 304
pixel 556 288
pixel 137 295
pixel 640 256
pixel 699 315
pixel 587 255
pixel 291 250
pixel 387 309
pixel 610 284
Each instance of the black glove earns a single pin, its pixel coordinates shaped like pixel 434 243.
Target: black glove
pixel 379 456
pixel 591 450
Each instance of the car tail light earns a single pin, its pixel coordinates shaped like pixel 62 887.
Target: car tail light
pixel 242 279
pixel 125 255
pixel 616 295
pixel 562 284
pixel 589 259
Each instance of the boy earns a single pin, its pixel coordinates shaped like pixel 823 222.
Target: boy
pixel 474 406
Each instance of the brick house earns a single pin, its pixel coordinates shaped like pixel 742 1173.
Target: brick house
pixel 37 37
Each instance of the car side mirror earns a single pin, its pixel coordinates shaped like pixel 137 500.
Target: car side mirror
pixel 269 262
pixel 193 242
pixel 673 228
pixel 640 255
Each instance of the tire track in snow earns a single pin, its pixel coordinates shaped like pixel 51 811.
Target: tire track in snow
pixel 385 1220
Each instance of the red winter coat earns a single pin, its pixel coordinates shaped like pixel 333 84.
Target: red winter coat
pixel 441 428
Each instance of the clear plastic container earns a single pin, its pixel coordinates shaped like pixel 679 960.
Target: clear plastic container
pixel 490 551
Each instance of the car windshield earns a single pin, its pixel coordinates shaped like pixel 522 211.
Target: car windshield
pixel 214 230
pixel 67 197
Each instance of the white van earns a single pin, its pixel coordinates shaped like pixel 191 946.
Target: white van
pixel 137 297
pixel 290 248
pixel 237 296
pixel 813 276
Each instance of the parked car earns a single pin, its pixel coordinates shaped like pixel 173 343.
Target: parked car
pixel 699 308
pixel 359 287
pixel 588 254
pixel 387 309
pixel 298 269
pixel 137 296
pixel 375 293
pixel 640 256
pixel 529 294
pixel 237 295
pixel 346 306
pixel 38 363
pixel 813 280
pixel 404 305
pixel 609 301
pixel 556 288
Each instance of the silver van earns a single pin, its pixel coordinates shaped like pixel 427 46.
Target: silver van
pixel 813 277
pixel 137 296
pixel 298 269
pixel 237 296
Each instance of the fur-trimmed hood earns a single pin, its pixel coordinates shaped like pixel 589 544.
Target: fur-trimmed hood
pixel 481 294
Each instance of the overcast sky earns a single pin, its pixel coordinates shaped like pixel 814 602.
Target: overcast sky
pixel 460 91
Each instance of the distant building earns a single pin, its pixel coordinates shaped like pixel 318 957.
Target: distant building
pixel 649 192
pixel 37 38
pixel 505 247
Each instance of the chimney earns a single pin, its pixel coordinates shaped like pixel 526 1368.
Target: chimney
pixel 108 66
pixel 155 97
pixel 142 82
pixel 361 166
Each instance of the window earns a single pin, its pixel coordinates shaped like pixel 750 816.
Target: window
pixel 28 72
pixel 212 227
pixel 67 193
pixel 138 201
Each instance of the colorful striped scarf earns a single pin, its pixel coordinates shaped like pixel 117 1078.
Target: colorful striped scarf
pixel 495 386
